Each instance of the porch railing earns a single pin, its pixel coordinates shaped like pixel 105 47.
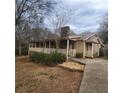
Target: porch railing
pixel 72 52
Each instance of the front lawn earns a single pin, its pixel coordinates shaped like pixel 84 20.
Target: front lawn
pixel 35 78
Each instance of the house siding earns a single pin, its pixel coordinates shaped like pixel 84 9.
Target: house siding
pixel 75 46
pixel 93 39
pixel 79 46
pixel 96 50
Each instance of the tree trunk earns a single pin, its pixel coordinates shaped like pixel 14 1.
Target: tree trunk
pixel 20 49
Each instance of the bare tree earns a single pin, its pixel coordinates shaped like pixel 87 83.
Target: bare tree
pixel 60 17
pixel 103 30
pixel 29 8
pixel 22 36
pixel 28 13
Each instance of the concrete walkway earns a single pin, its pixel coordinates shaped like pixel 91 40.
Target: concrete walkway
pixel 95 77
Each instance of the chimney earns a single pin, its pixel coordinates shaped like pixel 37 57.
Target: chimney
pixel 65 31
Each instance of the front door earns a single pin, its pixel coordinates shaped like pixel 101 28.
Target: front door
pixel 88 49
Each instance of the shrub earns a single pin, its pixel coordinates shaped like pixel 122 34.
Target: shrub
pixel 35 56
pixel 57 57
pixel 79 55
pixel 40 57
pixel 45 58
pixel 51 59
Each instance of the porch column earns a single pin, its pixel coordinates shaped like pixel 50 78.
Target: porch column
pixel 92 49
pixel 35 44
pixel 84 53
pixel 49 46
pixel 98 49
pixel 39 44
pixel 67 49
pixel 45 45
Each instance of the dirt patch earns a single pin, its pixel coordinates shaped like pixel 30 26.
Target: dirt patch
pixel 34 78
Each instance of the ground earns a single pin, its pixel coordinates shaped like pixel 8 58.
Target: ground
pixel 71 65
pixel 35 78
pixel 95 77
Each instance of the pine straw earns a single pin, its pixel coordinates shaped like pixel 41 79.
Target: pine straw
pixel 34 78
pixel 74 66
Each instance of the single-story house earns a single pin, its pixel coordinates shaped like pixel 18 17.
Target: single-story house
pixel 88 44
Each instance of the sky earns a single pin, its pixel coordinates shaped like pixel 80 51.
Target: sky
pixel 87 14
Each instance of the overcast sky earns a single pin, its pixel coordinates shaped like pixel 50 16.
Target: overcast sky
pixel 87 14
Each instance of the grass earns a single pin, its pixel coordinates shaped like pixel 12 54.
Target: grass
pixel 34 78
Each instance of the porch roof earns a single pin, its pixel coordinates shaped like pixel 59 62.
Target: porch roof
pixel 85 37
pixel 73 38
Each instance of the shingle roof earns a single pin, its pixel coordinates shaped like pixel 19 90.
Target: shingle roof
pixel 87 35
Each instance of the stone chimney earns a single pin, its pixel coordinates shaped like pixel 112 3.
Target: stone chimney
pixel 65 31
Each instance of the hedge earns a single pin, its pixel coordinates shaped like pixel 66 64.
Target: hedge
pixel 79 55
pixel 51 59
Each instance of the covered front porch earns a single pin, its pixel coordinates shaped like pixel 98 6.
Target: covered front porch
pixel 64 46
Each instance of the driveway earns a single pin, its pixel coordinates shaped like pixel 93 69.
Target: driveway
pixel 95 78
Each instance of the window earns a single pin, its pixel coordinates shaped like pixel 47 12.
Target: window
pixel 37 44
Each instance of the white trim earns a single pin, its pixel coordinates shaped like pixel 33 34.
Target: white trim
pixel 73 37
pixel 90 36
pixel 49 45
pixel 35 44
pixel 92 49
pixel 67 52
pixel 98 49
pixel 84 49
pixel 99 40
pixel 45 45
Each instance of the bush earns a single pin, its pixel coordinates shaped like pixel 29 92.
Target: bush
pixel 56 57
pixel 51 59
pixel 79 55
pixel 45 58
pixel 39 57
pixel 35 56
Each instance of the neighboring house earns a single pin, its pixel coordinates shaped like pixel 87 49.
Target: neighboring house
pixel 88 44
